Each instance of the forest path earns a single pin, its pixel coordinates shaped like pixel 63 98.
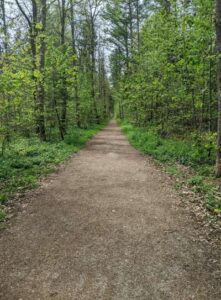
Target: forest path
pixel 107 226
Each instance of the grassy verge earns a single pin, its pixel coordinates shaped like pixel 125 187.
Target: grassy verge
pixel 197 153
pixel 27 160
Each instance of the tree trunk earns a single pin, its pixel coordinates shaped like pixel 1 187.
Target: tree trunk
pixel 39 92
pixel 167 5
pixel 131 26
pixel 218 40
pixel 138 25
pixel 5 29
pixel 76 89
pixel 40 96
pixel 64 93
pixel 93 68
pixel 63 19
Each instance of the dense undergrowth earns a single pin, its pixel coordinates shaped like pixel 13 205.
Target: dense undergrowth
pixel 26 160
pixel 197 152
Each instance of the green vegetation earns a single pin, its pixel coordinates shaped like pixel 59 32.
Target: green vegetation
pixel 209 190
pixel 173 151
pixel 164 74
pixel 197 152
pixel 164 83
pixel 2 216
pixel 27 160
pixel 70 64
pixel 54 88
pixel 53 76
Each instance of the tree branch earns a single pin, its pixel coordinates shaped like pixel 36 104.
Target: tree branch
pixel 23 13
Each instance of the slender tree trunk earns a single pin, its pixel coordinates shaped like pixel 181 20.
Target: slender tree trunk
pixel 93 69
pixel 33 42
pixel 5 28
pixel 56 107
pixel 167 5
pixel 127 48
pixel 40 97
pixel 138 25
pixel 63 20
pixel 210 96
pixel 7 114
pixel 194 117
pixel 76 88
pixel 64 94
pixel 39 93
pixel 131 26
pixel 218 40
pixel 102 84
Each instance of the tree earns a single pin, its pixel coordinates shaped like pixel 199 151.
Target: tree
pixel 4 26
pixel 218 40
pixel 37 30
pixel 75 64
pixel 91 11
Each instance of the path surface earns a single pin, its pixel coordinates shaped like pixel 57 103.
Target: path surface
pixel 108 226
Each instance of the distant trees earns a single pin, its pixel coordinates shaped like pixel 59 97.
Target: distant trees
pixel 173 73
pixel 124 22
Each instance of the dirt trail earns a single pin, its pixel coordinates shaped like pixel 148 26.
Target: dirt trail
pixel 108 226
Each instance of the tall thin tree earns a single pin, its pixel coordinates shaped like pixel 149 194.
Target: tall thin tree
pixel 218 41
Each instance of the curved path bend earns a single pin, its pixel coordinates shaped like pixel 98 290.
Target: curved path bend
pixel 108 226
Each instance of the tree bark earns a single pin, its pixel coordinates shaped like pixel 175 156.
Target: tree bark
pixel 138 24
pixel 76 89
pixel 40 96
pixel 93 68
pixel 218 41
pixel 64 94
pixel 63 21
pixel 5 29
pixel 131 26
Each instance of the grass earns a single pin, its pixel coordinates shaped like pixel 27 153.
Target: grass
pixel 196 152
pixel 27 160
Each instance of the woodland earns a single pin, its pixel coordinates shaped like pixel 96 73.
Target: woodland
pixel 68 66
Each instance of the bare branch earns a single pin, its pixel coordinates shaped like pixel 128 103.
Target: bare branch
pixel 24 13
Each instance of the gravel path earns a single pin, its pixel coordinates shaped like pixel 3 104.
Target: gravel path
pixel 108 226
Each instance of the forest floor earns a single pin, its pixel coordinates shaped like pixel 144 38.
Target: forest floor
pixel 107 225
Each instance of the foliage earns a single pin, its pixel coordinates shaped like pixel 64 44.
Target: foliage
pixel 171 81
pixel 50 81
